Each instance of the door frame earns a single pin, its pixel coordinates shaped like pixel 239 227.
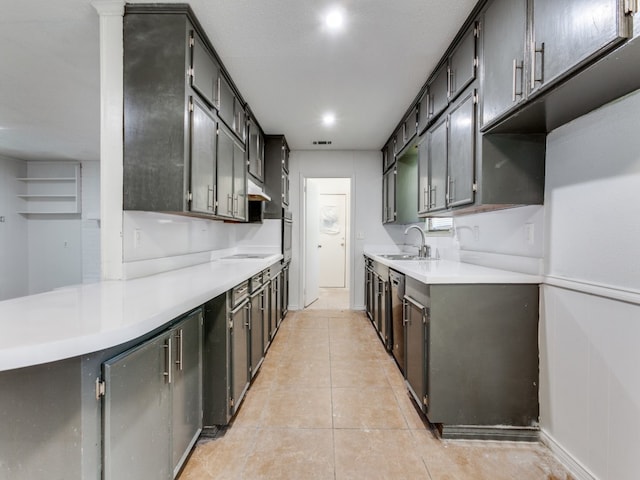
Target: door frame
pixel 351 237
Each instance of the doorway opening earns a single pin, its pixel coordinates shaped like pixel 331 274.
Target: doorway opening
pixel 327 243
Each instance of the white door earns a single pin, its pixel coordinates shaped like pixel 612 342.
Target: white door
pixel 332 240
pixel 312 243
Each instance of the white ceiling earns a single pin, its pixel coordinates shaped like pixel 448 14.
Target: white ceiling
pixel 287 66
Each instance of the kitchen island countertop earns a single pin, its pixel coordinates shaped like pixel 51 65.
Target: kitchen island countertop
pixel 81 319
pixel 430 271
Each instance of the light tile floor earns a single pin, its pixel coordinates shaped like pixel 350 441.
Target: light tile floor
pixel 330 403
pixel 331 299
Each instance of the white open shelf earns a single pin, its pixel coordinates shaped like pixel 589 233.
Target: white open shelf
pixel 52 188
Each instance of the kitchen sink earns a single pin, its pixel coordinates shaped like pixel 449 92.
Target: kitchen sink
pixel 243 256
pixel 402 256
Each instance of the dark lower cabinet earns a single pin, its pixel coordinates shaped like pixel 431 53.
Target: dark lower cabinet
pixel 152 411
pixel 368 287
pixel 240 362
pixel 472 366
pixel 226 358
pixel 256 325
pixel 187 390
pixel 275 305
pixel 284 287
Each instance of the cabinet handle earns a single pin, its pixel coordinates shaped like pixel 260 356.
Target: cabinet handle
pixel 218 95
pixel 210 197
pixel 425 198
pixel 229 204
pixel 168 367
pixel 407 300
pixel 179 354
pixel 451 193
pixel 405 317
pixel 432 191
pixel 514 92
pixel 235 205
pixel 535 51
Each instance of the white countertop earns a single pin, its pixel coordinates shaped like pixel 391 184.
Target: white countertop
pixel 450 272
pixel 81 319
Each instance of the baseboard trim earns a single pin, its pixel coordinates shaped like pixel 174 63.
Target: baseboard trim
pixel 574 466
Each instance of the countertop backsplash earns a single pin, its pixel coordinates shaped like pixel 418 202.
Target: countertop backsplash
pixel 157 242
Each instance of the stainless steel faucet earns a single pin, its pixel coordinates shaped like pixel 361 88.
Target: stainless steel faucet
pixel 424 248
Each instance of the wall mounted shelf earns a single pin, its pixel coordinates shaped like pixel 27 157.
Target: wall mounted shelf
pixel 52 188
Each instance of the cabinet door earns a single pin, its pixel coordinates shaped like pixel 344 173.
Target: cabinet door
pixel 383 319
pixel 276 303
pixel 462 64
pixel 437 165
pixel 411 125
pixel 224 181
pixel 285 155
pixel 503 36
pixel 388 157
pixel 255 150
pixel 389 196
pixel 423 174
pixel 285 188
pixel 415 372
pixel 398 140
pixel 239 182
pixel 285 291
pixel 461 152
pixel 239 120
pixel 226 104
pixel 438 90
pixel 423 112
pixel 239 353
pixel 266 312
pixel 255 331
pixel 187 386
pixel 205 71
pixel 203 159
pixel 368 291
pixel 571 32
pixel 137 412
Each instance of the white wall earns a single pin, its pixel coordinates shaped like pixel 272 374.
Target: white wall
pixel 91 222
pixel 156 242
pixel 337 186
pixel 590 386
pixel 365 170
pixel 512 239
pixel 13 231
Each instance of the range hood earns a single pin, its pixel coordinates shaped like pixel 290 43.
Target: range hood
pixel 255 192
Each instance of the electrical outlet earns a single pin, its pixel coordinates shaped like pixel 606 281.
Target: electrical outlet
pixel 529 233
pixel 476 233
pixel 137 233
pixel 360 236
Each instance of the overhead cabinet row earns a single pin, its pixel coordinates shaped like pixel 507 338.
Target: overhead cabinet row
pixel 510 56
pixel 456 73
pixel 529 46
pixel 190 142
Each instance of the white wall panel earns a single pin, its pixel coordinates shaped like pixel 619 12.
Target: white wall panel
pixel 593 178
pixel 589 392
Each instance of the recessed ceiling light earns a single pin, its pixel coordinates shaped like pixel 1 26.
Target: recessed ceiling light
pixel 328 119
pixel 334 20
